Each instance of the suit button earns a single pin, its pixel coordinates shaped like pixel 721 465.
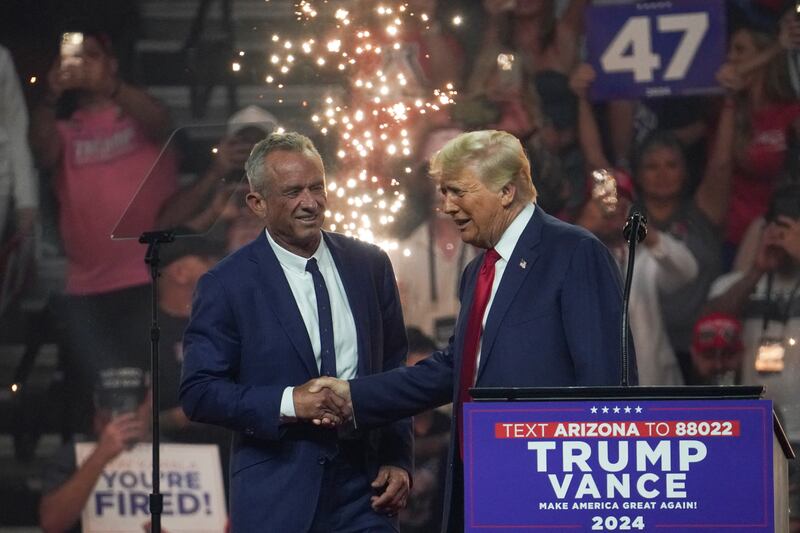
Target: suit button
pixel 249 432
pixel 322 460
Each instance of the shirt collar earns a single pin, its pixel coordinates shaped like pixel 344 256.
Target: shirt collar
pixel 293 261
pixel 505 246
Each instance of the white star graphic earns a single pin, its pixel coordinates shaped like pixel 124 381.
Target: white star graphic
pixel 605 410
pixel 638 409
pixel 627 409
pixel 616 409
pixel 594 410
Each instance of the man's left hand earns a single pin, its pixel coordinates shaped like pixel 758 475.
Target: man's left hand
pixel 392 485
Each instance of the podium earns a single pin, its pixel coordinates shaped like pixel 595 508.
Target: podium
pixel 624 459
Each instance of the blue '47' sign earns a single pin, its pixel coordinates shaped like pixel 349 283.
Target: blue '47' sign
pixel 651 49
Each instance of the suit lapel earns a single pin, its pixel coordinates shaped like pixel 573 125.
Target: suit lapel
pixel 281 299
pixel 520 264
pixel 346 265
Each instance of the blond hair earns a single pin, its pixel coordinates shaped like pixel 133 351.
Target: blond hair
pixel 497 157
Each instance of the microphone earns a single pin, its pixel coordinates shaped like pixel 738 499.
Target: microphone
pixel 635 231
pixel 638 222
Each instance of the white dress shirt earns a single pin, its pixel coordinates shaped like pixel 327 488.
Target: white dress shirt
pixel 504 247
pixel 344 326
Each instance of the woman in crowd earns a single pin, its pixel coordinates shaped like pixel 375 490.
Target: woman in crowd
pixel 660 177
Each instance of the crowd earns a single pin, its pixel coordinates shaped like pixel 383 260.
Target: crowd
pixel 715 283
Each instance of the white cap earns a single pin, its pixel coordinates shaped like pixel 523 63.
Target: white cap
pixel 252 116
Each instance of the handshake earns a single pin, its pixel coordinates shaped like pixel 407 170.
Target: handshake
pixel 324 401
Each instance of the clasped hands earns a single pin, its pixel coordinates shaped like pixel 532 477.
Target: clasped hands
pixel 323 401
pixel 326 402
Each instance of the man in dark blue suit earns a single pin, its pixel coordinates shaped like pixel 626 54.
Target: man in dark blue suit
pixel 540 308
pixel 295 304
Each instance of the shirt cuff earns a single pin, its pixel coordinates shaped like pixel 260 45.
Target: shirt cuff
pixel 287 405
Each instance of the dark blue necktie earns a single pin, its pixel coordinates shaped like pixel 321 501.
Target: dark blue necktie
pixel 327 350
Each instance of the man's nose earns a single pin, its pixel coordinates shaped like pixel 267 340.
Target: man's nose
pixel 448 206
pixel 307 199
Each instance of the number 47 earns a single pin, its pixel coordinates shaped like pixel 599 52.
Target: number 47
pixel 640 60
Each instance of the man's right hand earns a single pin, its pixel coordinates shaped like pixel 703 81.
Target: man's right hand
pixel 321 404
pixel 119 434
pixel 339 387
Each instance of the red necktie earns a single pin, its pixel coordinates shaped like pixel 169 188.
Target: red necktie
pixel 472 338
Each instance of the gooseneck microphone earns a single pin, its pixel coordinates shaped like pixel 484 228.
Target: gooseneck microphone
pixel 636 222
pixel 635 231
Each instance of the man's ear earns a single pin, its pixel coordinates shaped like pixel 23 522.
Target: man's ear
pixel 507 194
pixel 257 204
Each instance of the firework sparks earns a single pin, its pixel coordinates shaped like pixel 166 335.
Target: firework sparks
pixel 372 125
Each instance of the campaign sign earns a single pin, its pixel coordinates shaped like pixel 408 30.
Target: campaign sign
pixel 191 483
pixel 624 465
pixel 657 48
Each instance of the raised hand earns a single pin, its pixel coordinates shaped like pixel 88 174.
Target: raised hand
pixel 581 79
pixel 119 434
pixel 321 405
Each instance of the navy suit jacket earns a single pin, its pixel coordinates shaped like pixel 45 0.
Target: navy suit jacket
pixel 554 322
pixel 246 342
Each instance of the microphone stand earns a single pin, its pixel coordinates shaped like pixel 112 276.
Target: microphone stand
pixel 153 239
pixel 635 231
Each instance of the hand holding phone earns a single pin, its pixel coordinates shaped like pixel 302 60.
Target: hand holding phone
pixel 71 49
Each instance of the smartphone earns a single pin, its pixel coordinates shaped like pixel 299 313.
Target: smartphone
pixel 71 48
pixel 509 73
pixel 509 5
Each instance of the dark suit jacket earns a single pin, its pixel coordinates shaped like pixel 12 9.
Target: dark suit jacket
pixel 246 341
pixel 554 322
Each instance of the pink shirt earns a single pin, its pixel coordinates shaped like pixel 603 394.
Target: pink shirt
pixel 754 177
pixel 106 157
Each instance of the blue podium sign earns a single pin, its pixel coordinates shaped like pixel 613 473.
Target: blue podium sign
pixel 611 465
pixel 658 48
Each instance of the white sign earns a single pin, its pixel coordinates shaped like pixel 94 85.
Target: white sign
pixel 191 483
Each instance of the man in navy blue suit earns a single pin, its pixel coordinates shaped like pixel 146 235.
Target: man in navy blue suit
pixel 295 304
pixel 540 308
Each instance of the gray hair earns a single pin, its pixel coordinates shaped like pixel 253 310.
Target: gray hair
pixel 257 174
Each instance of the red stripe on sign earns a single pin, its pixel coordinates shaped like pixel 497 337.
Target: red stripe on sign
pixel 617 429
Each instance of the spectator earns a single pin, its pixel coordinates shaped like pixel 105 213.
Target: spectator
pixel 121 419
pixel 428 263
pixel 717 349
pixel 521 40
pixel 217 196
pixel 100 154
pixel 663 265
pixel 183 262
pixel 696 221
pixel 431 438
pixel 766 110
pixel 764 296
pixel 556 157
pixel 19 186
pixel 433 54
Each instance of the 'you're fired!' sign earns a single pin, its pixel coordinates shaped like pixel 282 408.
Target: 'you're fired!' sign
pixel 191 483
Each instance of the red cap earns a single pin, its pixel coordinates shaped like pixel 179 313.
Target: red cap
pixel 717 331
